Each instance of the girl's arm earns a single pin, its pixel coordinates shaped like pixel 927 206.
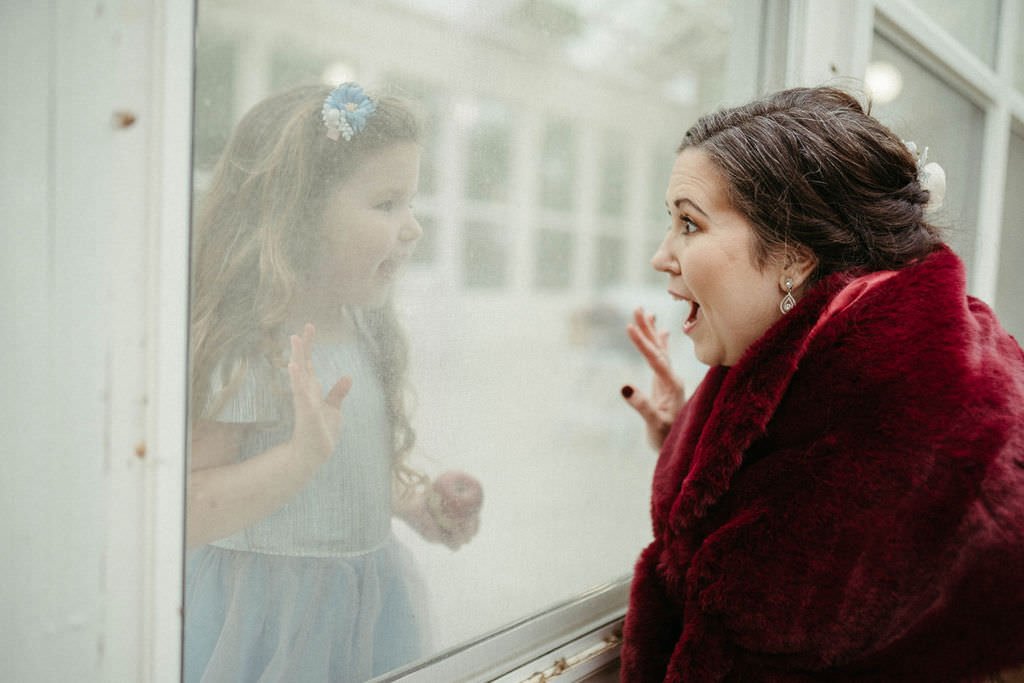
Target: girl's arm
pixel 225 495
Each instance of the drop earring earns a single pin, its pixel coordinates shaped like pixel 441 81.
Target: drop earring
pixel 788 302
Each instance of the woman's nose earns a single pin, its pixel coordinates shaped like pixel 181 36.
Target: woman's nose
pixel 663 261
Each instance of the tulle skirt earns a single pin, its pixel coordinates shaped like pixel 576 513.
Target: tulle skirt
pixel 257 617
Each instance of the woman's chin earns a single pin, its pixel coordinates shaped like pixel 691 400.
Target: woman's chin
pixel 710 356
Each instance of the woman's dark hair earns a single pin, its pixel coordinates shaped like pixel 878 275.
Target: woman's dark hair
pixel 811 167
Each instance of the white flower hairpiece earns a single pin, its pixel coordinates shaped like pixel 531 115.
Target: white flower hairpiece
pixel 931 176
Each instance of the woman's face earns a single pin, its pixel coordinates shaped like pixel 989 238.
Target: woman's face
pixel 708 257
pixel 369 228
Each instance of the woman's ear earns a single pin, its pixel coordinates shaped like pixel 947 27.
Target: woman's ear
pixel 798 264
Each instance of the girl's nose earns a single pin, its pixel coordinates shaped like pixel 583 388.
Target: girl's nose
pixel 411 230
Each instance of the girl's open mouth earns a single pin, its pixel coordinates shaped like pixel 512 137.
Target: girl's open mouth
pixel 390 266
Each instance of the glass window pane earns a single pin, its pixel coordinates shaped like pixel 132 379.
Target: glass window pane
pixel 661 164
pixel 975 24
pixel 429 100
pixel 427 247
pixel 215 98
pixel 929 112
pixel 609 261
pixel 553 252
pixel 293 65
pixel 613 177
pixel 1010 284
pixel 500 346
pixel 485 256
pixel 489 150
pixel 652 277
pixel 558 166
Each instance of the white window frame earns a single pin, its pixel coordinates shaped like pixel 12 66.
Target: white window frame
pixel 832 40
pixel 95 214
pixel 990 88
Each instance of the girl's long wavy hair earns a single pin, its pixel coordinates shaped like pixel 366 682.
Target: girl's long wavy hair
pixel 256 237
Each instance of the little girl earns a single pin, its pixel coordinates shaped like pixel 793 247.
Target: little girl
pixel 293 573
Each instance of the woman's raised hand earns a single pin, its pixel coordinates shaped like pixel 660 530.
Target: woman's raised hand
pixel 667 396
pixel 317 418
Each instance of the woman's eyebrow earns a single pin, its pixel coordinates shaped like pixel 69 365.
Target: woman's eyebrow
pixel 683 200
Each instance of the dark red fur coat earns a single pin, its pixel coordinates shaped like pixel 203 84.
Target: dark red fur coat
pixel 846 503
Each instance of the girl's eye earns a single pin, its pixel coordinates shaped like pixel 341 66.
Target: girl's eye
pixel 688 226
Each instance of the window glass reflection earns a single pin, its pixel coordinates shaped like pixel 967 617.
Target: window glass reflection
pixel 553 251
pixel 1010 286
pixel 489 150
pixel 613 177
pixel 926 110
pixel 300 428
pixel 215 101
pixel 558 166
pixel 485 256
pixel 531 250
pixel 609 262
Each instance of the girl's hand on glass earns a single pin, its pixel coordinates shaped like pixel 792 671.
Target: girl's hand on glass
pixel 317 418
pixel 447 511
pixel 666 399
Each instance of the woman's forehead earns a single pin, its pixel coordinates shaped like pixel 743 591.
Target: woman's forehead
pixel 696 180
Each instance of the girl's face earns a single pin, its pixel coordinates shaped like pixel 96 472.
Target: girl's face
pixel 708 256
pixel 369 228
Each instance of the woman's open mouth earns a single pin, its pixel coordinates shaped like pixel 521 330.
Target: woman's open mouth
pixel 691 320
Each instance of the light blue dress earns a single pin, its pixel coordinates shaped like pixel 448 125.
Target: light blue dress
pixel 319 590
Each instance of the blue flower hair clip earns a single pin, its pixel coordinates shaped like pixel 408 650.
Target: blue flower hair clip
pixel 346 110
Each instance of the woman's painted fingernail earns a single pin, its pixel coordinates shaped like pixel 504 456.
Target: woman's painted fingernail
pixel 627 391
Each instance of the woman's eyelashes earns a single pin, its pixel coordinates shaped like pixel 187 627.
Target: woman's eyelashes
pixel 685 223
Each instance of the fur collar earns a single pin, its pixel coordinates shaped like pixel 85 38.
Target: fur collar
pixel 887 330
pixel 847 500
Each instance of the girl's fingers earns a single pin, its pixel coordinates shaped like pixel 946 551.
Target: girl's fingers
pixel 296 362
pixel 338 392
pixel 462 533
